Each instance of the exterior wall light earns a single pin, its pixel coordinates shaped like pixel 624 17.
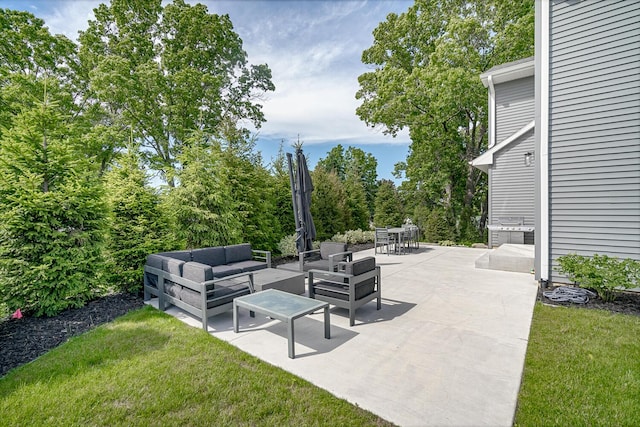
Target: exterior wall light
pixel 528 158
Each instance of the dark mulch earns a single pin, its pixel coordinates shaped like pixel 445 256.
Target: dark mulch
pixel 23 340
pixel 624 303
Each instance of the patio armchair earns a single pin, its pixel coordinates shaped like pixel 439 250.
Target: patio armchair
pixel 326 258
pixel 355 284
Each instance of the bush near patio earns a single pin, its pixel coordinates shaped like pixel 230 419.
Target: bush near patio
pixel 602 273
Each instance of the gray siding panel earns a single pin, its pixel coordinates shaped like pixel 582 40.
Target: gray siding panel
pixel 515 106
pixel 512 185
pixel 594 129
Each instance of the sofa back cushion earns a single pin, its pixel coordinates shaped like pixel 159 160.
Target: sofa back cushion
pixel 197 271
pixel 155 261
pixel 173 266
pixel 330 248
pixel 237 253
pixel 181 255
pixel 210 256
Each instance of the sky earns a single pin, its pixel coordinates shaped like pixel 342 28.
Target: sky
pixel 314 50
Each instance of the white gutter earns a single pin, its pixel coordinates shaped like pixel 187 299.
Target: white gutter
pixel 544 141
pixel 492 112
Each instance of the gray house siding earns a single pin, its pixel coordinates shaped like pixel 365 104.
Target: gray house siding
pixel 511 192
pixel 594 129
pixel 515 106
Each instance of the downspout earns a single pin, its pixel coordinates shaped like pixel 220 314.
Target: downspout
pixel 542 140
pixel 492 112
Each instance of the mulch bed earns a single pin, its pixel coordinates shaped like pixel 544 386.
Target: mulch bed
pixel 23 340
pixel 625 302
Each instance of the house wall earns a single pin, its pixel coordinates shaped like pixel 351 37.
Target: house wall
pixel 511 186
pixel 594 129
pixel 515 106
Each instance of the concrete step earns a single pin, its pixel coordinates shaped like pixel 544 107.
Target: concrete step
pixel 509 257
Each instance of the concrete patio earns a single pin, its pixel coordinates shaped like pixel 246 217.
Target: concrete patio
pixel 447 348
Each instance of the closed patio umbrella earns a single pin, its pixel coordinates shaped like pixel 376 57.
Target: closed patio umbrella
pixel 301 189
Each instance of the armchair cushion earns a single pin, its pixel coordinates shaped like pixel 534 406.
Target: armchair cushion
pixel 330 248
pixel 360 266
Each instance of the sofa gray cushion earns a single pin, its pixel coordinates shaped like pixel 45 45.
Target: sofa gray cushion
pixel 210 256
pixel 222 295
pixel 172 289
pixel 250 265
pixel 181 255
pixel 197 272
pixel 237 253
pixel 224 271
pixel 173 266
pixel 330 248
pixel 156 261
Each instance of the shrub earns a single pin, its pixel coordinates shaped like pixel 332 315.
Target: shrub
pixel 601 273
pixel 287 246
pixel 446 243
pixel 438 227
pixel 354 237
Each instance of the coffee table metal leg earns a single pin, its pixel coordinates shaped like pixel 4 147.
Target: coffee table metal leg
pixel 290 337
pixel 327 323
pixel 235 317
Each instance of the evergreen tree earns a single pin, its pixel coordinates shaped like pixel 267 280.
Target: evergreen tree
pixel 252 193
pixel 52 213
pixel 281 184
pixel 327 204
pixel 202 205
pixel 356 203
pixel 389 210
pixel 138 226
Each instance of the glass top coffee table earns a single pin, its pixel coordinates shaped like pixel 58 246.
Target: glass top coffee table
pixel 282 306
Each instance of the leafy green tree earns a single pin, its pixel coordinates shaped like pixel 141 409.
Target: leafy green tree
pixel 28 55
pixel 52 213
pixel 327 204
pixel 202 206
pixel 168 71
pixel 427 62
pixel 137 226
pixel 389 209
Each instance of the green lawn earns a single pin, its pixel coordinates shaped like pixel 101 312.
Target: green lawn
pixel 147 368
pixel 582 369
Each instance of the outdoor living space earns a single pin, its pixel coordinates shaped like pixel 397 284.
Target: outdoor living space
pixel 446 348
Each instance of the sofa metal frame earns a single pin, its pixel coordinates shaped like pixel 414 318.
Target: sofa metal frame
pixel 206 295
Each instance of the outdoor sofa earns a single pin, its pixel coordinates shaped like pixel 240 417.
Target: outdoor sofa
pixel 326 257
pixel 203 281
